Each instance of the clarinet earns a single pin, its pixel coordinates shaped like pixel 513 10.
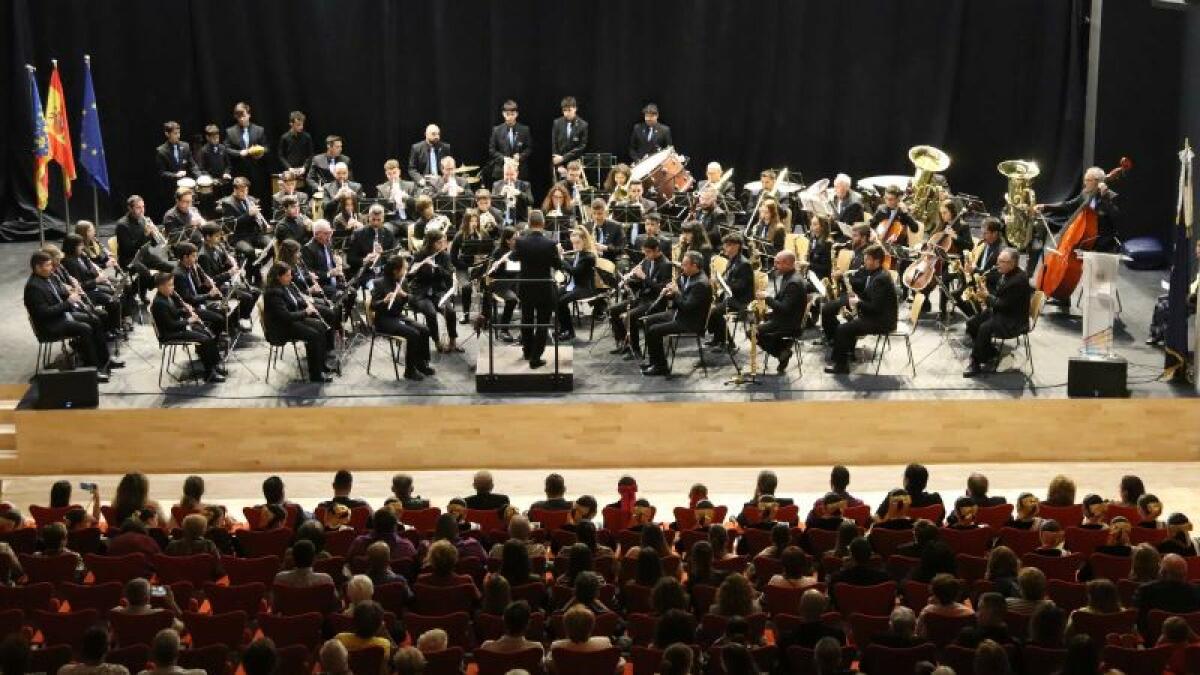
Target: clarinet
pixel 192 312
pixel 309 304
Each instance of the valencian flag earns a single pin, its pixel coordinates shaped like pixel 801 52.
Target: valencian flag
pixel 91 143
pixel 58 130
pixel 1177 297
pixel 41 144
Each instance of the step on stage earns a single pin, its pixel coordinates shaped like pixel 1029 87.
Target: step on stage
pixel 503 369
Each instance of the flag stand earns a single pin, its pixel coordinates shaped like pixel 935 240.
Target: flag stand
pixel 96 207
pixel 66 202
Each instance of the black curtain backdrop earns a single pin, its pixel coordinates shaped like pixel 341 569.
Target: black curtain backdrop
pixel 818 86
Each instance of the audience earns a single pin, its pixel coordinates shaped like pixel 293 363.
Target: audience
pixel 675 626
pixel 1144 564
pixel 736 659
pixel 991 659
pixel 1102 598
pixel 827 658
pixel 1031 587
pixel 735 597
pixel 916 479
pixel 1179 537
pixel 516 622
pixel 578 623
pixel 1130 491
pixel 520 532
pixel 1051 540
pixel 497 595
pixel 260 658
pixel 1083 657
pixel 383 529
pixel 676 660
pixel 334 658
pixel 555 488
pixel 797 570
pixel 945 590
pixel 303 576
pixel 402 491
pixel 133 538
pixel 1002 566
pixel 447 529
pixel 901 632
pixel 443 558
pixel 164 652
pixel 484 498
pixel 137 601
pixel 409 661
pixel 811 629
pixel 860 570
pixel 989 623
pixel 700 567
pixel 432 641
pixel 1171 592
pixel 1047 626
pixel 93 649
pixel 1061 491
pixel 368 631
pixel 343 485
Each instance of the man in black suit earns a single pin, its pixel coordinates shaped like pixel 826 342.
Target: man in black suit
pixel 712 218
pixel 293 225
pixel 223 269
pixel 712 174
pixel 1103 200
pixel 484 498
pixel 648 135
pixel 295 145
pixel 1171 592
pixel 249 234
pixel 646 282
pixel 739 277
pixel 174 322
pixel 320 167
pixel 174 159
pixel 287 188
pixel 318 258
pixel 513 193
pixel 847 205
pixel 890 213
pixel 1007 314
pixel 340 184
pixel 610 236
pixel 568 137
pixel 859 570
pixel 198 290
pixel 241 139
pixel 539 256
pixel 57 312
pixel 877 307
pixel 397 191
pixel 788 306
pixel 182 221
pixel 133 232
pixel 510 141
pixel 367 244
pixel 449 183
pixel 555 488
pixel 425 157
pixel 691 295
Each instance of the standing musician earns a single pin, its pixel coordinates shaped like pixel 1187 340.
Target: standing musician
pixel 320 167
pixel 287 188
pixel 712 174
pixel 399 192
pixel 388 298
pixel 509 141
pixel 892 222
pixel 338 188
pixel 568 137
pixel 1102 200
pixel 251 230
pixel 469 230
pixel 877 308
pixel 247 142
pixel 57 313
pixel 224 271
pixel 653 225
pixel 432 276
pixel 490 217
pixel 449 183
pixel 558 202
pixel 739 276
pixel 95 286
pixel 308 283
pixel 788 308
pixel 713 219
pixel 691 296
pixel 648 136
pixel 295 146
pixel 197 289
pixel 497 283
pixel 367 244
pixel 135 231
pixel 425 157
pixel 294 224
pixel 175 320
pixel 538 256
pixel 289 316
pixel 514 192
pixel 860 238
pixel 320 260
pixel 847 205
pixel 214 159
pixel 1006 316
pixel 174 158
pixel 646 282
pixel 610 236
pixel 581 280
pixel 182 221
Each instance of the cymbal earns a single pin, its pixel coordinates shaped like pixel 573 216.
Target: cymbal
pixel 467 168
pixel 881 183
pixel 472 179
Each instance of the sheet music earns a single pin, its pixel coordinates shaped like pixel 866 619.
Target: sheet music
pixel 817 284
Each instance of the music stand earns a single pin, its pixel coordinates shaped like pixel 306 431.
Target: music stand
pixel 599 163
pixel 588 195
pixel 627 213
pixel 452 206
pixel 560 224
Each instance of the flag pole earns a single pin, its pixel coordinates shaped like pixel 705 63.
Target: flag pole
pixel 87 61
pixel 41 215
pixel 62 172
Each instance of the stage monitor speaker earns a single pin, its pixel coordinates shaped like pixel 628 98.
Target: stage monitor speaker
pixel 1090 377
pixel 58 389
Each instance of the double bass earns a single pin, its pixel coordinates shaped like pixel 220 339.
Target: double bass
pixel 1062 267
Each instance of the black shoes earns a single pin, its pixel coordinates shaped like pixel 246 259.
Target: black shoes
pixel 838 369
pixel 784 359
pixel 214 377
pixel 621 349
pixel 102 376
pixel 115 363
pixel 413 375
pixel 506 337
pixel 536 363
pixel 654 370
pixel 323 378
pixel 425 369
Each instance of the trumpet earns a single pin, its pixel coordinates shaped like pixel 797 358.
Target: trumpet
pixel 151 230
pixel 258 215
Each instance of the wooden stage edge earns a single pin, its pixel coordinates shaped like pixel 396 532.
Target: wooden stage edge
pixel 608 435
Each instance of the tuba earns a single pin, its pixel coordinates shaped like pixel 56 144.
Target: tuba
pixel 926 195
pixel 1019 201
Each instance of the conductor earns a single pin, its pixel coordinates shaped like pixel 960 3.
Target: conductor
pixel 538 256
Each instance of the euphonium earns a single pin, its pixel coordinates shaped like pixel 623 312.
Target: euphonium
pixel 1019 201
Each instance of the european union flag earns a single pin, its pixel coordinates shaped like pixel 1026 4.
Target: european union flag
pixel 91 143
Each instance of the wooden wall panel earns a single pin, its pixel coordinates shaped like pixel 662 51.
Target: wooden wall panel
pixel 579 435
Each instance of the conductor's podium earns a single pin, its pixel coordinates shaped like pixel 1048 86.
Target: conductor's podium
pixel 501 369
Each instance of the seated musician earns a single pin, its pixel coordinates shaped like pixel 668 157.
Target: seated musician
pixel 896 517
pixel 336 189
pixel 1006 316
pixel 876 306
pixel 788 307
pixel 135 234
pixel 982 260
pixel 490 217
pixel 820 248
pixel 94 284
pixel 175 322
pixel 691 238
pixel 768 179
pixel 513 193
pixel 959 242
pixel 1096 195
pixel 294 224
pixel 432 276
pixel 288 315
pixel 847 205
pixel 196 289
pixel 637 197
pixel 399 192
pixel 345 220
pixel 309 283
pixel 224 271
pixel 182 221
pixel 57 313
pixel 574 183
pixel 469 233
pixel 368 244
pixel 892 221
pixel 319 259
pixel 769 228
pixel 558 202
pixel 645 283
pixel 690 297
pixel 496 276
pixel 609 235
pixel 251 231
pixel 618 179
pixel 320 167
pixel 739 277
pixel 425 215
pixel 388 298
pixel 581 280
pixel 712 175
pixel 449 183
pixel 287 188
pixel 713 219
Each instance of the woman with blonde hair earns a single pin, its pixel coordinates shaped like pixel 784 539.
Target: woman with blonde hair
pixel 581 280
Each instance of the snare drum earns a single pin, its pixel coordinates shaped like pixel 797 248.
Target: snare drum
pixel 186 182
pixel 204 184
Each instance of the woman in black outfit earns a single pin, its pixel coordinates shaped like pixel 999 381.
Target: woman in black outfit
pixel 581 281
pixel 496 283
pixel 468 230
pixel 288 315
pixel 388 299
pixel 432 276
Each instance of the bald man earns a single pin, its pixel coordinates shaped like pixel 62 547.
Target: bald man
pixel 787 303
pixel 1171 592
pixel 425 157
pixel 484 498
